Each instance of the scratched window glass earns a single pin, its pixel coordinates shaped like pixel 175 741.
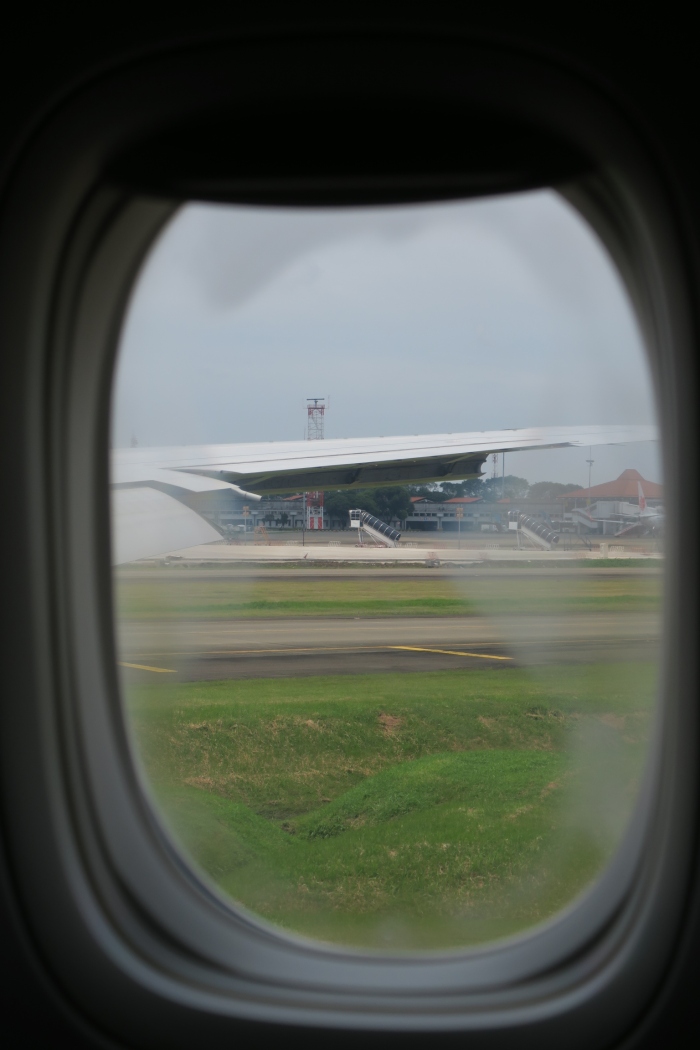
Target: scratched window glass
pixel 387 532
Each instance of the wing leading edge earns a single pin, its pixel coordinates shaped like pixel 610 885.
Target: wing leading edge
pixel 254 470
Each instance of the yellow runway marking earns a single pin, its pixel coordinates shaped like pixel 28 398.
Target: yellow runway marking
pixel 321 649
pixel 145 667
pixel 248 652
pixel 448 652
pixel 308 649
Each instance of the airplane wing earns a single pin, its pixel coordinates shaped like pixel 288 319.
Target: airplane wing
pixel 154 489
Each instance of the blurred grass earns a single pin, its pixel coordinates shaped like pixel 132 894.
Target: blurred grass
pixel 421 810
pixel 176 598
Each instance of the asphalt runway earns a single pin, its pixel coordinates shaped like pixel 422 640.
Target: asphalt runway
pixel 201 650
pixel 245 572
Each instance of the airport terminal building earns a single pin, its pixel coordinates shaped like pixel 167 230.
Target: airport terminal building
pixel 593 510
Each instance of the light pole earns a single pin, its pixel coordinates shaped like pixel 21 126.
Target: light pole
pixel 590 463
pixel 459 515
pixel 246 513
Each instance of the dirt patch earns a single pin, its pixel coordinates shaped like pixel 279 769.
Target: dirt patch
pixel 519 812
pixel 204 783
pixel 614 721
pixel 390 724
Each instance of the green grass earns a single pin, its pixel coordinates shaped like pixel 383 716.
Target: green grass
pixel 423 810
pixel 174 598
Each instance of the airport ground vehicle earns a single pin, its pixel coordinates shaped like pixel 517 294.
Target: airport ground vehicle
pixel 65 263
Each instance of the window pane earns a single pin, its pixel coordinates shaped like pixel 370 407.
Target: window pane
pixel 421 742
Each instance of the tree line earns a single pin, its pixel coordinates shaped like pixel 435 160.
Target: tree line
pixel 394 501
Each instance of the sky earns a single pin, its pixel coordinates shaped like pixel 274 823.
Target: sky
pixel 449 317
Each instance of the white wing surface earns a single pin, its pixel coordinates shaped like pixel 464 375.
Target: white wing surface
pixel 149 522
pixel 254 470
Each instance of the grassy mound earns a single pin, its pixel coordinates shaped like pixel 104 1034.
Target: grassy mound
pixel 173 598
pixel 418 810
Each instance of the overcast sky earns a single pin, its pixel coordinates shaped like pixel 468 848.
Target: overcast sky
pixel 433 318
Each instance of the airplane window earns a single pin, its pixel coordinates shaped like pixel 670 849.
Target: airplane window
pixel 388 526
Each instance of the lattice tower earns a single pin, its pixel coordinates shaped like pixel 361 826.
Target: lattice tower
pixel 315 418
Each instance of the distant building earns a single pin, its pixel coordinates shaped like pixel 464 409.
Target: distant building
pixel 226 511
pixel 625 488
pixel 612 509
pixel 428 515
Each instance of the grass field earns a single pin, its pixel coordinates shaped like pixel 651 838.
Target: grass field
pixel 163 599
pixel 400 811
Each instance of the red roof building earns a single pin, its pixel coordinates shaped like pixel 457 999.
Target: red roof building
pixel 623 488
pixel 442 502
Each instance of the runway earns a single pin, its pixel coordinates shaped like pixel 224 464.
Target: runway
pixel 380 572
pixel 211 650
pixel 436 548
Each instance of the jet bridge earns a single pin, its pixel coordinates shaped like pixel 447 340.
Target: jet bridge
pixel 374 528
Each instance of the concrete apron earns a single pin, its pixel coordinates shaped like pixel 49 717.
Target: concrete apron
pixel 223 553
